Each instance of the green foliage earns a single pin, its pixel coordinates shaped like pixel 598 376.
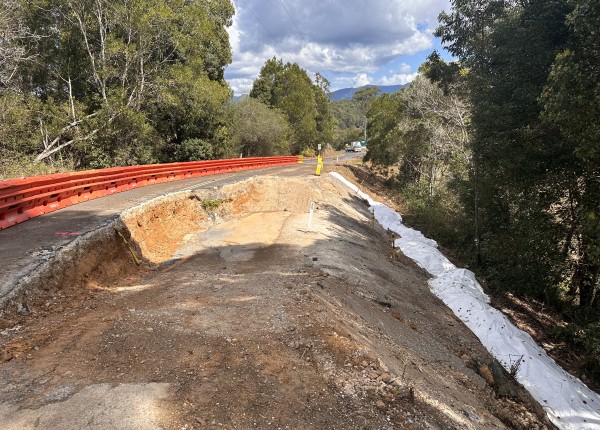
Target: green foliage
pixel 347 114
pixel 534 181
pixel 420 135
pixel 345 135
pixel 384 132
pixel 195 150
pixel 446 75
pixel 422 132
pixel 572 103
pixel 518 164
pixel 440 216
pixel 117 82
pixel 211 205
pixel 305 104
pixel 260 130
pixel 363 99
pixel 584 342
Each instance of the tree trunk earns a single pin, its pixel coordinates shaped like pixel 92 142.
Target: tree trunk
pixel 585 279
pixel 476 216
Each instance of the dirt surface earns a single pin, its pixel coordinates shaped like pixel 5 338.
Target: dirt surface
pixel 239 317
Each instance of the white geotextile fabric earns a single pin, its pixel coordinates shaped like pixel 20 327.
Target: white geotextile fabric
pixel 569 403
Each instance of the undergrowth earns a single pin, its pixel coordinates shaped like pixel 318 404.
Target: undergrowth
pixel 22 167
pixel 211 205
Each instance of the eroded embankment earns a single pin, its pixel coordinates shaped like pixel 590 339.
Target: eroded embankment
pixel 122 248
pixel 240 317
pixel 141 238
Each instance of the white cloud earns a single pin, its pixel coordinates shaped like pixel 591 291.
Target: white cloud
pixel 404 68
pixel 361 80
pixel 351 37
pixel 241 85
pixel 397 79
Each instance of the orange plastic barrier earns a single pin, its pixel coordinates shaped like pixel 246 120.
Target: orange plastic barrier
pixel 23 199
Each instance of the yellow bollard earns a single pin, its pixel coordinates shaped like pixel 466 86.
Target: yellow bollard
pixel 319 165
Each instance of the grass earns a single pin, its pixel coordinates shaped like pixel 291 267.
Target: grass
pixel 23 167
pixel 211 205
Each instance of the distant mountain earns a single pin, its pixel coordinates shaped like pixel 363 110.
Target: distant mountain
pixel 238 98
pixel 347 93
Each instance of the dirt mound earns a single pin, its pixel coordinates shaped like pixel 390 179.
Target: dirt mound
pixel 240 317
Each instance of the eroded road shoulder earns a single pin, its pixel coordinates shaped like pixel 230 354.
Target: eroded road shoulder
pixel 242 318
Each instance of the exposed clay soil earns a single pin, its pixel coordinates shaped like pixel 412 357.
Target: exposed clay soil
pixel 239 318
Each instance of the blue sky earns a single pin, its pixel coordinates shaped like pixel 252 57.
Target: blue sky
pixel 351 42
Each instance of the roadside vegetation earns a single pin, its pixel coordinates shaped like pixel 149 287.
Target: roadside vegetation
pixel 497 157
pixel 98 83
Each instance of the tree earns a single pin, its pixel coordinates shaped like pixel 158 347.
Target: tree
pixel 572 103
pixel 260 130
pixel 424 132
pixel 325 119
pixel 305 104
pixel 126 81
pixel 519 173
pixel 16 37
pixel 363 99
pixel 385 141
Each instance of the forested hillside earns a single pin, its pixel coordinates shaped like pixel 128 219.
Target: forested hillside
pixel 351 116
pixel 497 155
pixel 347 93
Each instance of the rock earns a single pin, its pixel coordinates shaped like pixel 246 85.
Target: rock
pixel 23 309
pixel 469 362
pixel 386 378
pixel 380 404
pixel 504 385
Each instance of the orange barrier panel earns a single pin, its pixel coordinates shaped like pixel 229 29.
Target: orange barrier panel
pixel 23 199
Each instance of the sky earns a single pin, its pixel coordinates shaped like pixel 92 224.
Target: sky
pixel 350 42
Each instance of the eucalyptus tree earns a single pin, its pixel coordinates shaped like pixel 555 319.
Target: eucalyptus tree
pixel 305 104
pixel 363 99
pixel 259 130
pixel 126 81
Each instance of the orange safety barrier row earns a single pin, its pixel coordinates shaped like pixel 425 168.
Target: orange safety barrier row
pixel 26 198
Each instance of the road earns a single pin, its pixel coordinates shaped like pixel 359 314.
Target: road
pixel 22 246
pixel 251 320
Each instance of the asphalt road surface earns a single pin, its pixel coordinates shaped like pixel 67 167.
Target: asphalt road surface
pixel 23 244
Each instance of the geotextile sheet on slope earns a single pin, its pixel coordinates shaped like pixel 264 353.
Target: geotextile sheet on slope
pixel 569 403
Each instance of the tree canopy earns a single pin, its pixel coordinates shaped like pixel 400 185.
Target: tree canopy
pixel 107 83
pixel 304 102
pixel 496 155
